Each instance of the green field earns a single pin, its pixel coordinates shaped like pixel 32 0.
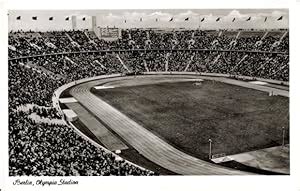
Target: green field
pixel 237 119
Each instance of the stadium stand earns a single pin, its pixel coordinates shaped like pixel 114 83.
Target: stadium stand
pixel 40 62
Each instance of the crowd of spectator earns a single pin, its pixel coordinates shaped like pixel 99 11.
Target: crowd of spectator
pixel 40 149
pixel 37 148
pixel 43 149
pixel 37 43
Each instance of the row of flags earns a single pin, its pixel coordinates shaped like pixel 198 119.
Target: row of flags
pixel 172 19
pixel 217 20
pixel 50 18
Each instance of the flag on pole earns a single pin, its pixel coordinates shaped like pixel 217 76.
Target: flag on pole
pixel 50 18
pixel 186 19
pixel 218 19
pixel 266 19
pixel 18 17
pixel 67 18
pixel 280 18
pixel 202 19
pixel 171 19
pixel 233 19
pixel 34 18
pixel 248 19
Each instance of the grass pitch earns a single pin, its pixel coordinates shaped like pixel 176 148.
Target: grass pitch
pixel 237 119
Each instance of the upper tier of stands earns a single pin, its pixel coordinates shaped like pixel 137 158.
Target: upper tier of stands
pixel 251 53
pixel 37 43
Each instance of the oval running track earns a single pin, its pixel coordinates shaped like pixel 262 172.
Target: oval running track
pixel 144 141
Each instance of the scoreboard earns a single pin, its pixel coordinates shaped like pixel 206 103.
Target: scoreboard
pixel 109 32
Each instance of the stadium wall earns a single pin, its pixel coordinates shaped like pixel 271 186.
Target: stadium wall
pixel 221 75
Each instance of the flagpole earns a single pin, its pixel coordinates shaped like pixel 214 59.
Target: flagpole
pixel 199 26
pixel 210 153
pixel 283 135
pixel 199 21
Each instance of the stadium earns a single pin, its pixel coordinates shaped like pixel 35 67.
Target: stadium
pixel 148 96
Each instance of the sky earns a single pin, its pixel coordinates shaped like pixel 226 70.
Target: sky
pixel 116 18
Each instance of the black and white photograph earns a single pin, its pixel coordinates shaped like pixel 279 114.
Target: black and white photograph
pixel 148 92
pixel 183 96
